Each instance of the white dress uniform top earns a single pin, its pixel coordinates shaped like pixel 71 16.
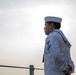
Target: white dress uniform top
pixel 57 54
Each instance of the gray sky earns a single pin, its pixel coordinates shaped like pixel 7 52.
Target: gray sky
pixel 21 29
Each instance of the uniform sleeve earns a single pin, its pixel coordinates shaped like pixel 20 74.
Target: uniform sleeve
pixel 72 66
pixel 71 63
pixel 57 55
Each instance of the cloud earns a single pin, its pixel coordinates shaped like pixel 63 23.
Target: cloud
pixel 8 4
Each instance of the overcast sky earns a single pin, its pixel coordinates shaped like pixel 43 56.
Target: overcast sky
pixel 21 29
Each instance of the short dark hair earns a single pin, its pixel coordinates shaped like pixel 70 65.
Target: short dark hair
pixel 56 24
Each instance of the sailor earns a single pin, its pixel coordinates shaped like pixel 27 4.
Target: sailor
pixel 56 58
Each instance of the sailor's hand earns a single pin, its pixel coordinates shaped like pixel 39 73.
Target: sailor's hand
pixel 69 70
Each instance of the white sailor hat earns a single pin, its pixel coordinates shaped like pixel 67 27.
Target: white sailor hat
pixel 52 19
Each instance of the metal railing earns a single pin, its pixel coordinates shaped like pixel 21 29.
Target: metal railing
pixel 31 68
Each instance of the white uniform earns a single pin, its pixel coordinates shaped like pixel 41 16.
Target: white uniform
pixel 57 54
